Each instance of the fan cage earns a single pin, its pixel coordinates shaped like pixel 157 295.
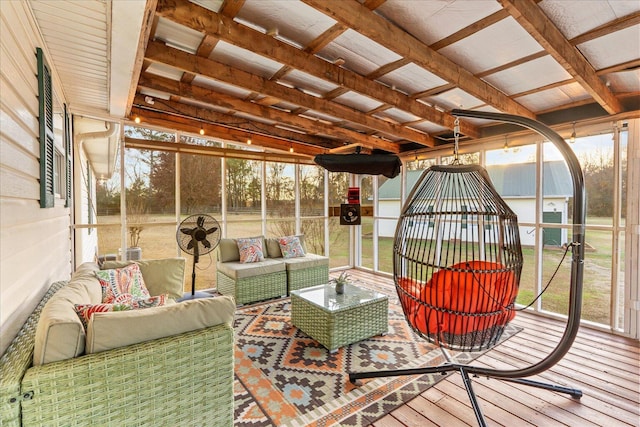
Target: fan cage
pixel 457 258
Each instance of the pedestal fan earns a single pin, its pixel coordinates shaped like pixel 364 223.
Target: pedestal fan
pixel 457 264
pixel 198 235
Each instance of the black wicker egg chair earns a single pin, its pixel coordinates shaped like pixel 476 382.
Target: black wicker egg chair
pixel 457 264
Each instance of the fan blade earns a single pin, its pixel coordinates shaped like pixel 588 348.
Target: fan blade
pixel 190 245
pixel 186 230
pixel 206 243
pixel 212 230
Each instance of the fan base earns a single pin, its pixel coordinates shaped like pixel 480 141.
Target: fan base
pixel 188 296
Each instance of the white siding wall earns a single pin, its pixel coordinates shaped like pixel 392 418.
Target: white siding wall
pixel 35 243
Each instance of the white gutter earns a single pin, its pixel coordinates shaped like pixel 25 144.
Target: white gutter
pixel 80 139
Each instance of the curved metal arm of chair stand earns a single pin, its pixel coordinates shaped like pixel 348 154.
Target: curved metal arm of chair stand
pixel 577 250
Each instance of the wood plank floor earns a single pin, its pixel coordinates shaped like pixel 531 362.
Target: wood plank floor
pixel 605 367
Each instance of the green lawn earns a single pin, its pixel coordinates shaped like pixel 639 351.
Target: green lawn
pixel 159 241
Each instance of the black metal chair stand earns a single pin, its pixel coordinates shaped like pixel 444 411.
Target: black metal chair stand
pixel 457 264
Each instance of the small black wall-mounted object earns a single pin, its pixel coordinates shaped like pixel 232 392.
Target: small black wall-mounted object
pixel 350 214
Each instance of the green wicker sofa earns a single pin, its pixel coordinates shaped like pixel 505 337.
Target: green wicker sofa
pixel 183 375
pixel 274 277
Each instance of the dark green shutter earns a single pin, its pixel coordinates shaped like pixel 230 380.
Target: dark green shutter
pixel 67 156
pixel 45 116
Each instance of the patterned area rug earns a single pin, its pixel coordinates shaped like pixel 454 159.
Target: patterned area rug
pixel 285 378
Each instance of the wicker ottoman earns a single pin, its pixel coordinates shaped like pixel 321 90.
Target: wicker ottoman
pixel 337 320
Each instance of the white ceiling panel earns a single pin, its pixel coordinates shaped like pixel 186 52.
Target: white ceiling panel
pixel 178 36
pixel 306 81
pixel 575 17
pixel 357 101
pixel 360 53
pixel 530 75
pixel 434 20
pixel 625 81
pixel 601 55
pixel 244 60
pixel 493 46
pixel 411 79
pixel 454 98
pixel 163 70
pixel 221 87
pixel 293 20
pixel 428 127
pixel 554 97
pixel 397 115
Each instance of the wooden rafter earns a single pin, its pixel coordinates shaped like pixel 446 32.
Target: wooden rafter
pixel 210 23
pixel 361 19
pixel 207 116
pixel 184 61
pixel 204 95
pixel 165 115
pixel 532 19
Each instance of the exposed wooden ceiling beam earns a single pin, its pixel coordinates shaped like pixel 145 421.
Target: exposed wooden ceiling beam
pixel 184 61
pixel 148 27
pixel 325 38
pixel 544 31
pixel 180 147
pixel 205 116
pixel 231 8
pixel 232 32
pixel 212 97
pixel 161 116
pixel 386 69
pixel 228 8
pixel 354 15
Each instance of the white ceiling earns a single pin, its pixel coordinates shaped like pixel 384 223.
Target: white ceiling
pixel 97 48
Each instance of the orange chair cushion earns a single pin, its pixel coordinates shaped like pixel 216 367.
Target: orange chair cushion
pixel 464 293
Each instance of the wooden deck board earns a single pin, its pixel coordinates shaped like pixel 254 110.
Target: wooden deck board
pixel 604 366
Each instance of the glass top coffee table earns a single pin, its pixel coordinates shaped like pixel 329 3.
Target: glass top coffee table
pixel 336 320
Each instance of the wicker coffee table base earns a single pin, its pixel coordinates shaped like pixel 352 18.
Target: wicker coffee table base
pixel 339 328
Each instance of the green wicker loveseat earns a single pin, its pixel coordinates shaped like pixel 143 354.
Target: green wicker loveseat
pixel 182 376
pixel 272 277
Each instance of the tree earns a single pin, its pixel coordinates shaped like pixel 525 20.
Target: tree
pixel 597 166
pixel 200 183
pixel 240 176
pixel 107 198
pixel 279 186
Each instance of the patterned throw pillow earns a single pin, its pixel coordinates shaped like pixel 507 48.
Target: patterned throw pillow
pixel 122 285
pixel 290 247
pixel 250 249
pixel 85 311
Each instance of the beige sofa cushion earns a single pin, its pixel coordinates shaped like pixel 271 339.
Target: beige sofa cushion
pixel 273 247
pixel 60 334
pixel 161 276
pixel 307 261
pixel 117 329
pixel 238 270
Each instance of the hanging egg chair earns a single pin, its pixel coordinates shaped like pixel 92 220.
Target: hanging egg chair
pixel 457 258
pixel 457 262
